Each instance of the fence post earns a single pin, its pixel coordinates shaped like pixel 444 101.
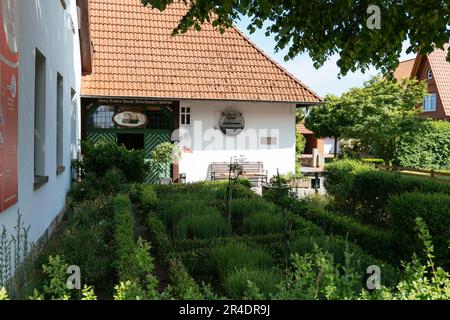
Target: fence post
pixel 432 173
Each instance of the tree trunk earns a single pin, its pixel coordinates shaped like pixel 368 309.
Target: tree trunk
pixel 335 146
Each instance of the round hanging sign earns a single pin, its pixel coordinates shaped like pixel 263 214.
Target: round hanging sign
pixel 232 123
pixel 130 119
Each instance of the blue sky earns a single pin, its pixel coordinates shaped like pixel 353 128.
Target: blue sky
pixel 324 80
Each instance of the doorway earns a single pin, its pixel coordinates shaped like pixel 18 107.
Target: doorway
pixel 132 141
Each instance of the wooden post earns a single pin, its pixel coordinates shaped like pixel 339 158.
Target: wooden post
pixel 432 173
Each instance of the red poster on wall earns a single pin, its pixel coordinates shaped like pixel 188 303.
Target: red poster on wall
pixel 9 62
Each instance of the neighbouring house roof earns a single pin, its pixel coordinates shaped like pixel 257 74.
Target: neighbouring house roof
pixel 404 69
pixel 136 56
pixel 441 74
pixel 303 130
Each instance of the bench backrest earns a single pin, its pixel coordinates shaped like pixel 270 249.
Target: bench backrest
pixel 250 167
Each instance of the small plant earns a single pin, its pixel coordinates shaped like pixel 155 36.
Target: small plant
pixel 164 155
pixel 226 258
pixel 202 226
pixel 148 198
pixel 237 283
pixel 263 223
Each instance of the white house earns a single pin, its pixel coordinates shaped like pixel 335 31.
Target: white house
pixel 40 78
pixel 217 94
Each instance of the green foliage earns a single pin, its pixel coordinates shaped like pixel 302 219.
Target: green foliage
pixel 339 178
pixel 158 236
pixel 182 286
pixel 300 142
pixel 435 212
pixel 315 277
pixel 56 279
pixel 148 198
pixel 85 240
pixel 262 223
pixel 363 191
pixel 165 153
pixel 371 191
pixel 128 290
pixel 236 284
pixel 192 218
pixel 3 294
pixel 201 226
pixel 420 281
pixel 428 148
pixel 342 249
pixel 328 119
pixel 377 242
pixel 101 157
pixel 228 257
pixel 243 208
pixel 343 31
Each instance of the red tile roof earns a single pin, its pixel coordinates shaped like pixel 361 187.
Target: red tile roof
pixel 404 69
pixel 441 73
pixel 136 56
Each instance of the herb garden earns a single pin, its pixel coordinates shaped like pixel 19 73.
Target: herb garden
pixel 133 240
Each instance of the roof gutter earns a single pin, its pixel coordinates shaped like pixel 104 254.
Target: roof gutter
pixel 86 47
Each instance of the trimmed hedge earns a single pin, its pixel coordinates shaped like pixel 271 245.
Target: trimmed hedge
pixel 148 198
pixel 358 260
pixel 203 226
pixel 133 261
pixel 377 242
pixel 227 258
pixel 339 178
pixel 434 210
pixel 365 191
pixel 262 223
pixel 371 191
pixel 236 283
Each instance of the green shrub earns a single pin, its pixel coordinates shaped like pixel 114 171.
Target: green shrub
pixel 86 241
pixel 302 226
pixel 83 190
pixel 202 226
pixel 340 249
pixel 242 208
pixel 228 257
pixel 339 177
pixel 434 209
pixel 101 157
pixel 182 285
pixel 372 189
pixel 171 213
pixel 113 182
pixel 134 191
pixel 263 223
pixel 428 148
pixel 148 198
pixel 124 237
pixel 195 253
pixel 374 240
pixel 236 284
pixel 159 238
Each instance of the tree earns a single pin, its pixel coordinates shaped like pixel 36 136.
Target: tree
pixel 326 27
pixel 382 114
pixel 328 119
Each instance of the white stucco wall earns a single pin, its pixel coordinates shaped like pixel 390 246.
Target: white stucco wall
pixel 328 146
pixel 209 144
pixel 45 24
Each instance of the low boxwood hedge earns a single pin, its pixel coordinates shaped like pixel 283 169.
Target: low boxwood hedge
pixel 434 210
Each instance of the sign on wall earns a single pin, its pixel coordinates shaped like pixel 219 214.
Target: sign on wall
pixel 9 94
pixel 130 119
